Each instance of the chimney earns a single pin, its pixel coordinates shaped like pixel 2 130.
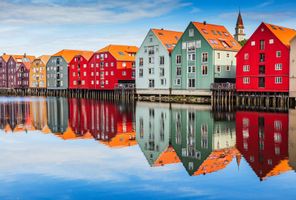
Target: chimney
pixel 4 54
pixel 205 22
pixel 25 55
pixel 161 29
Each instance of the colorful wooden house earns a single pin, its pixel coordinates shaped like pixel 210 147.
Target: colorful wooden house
pixel 57 114
pixel 18 70
pixel 263 63
pixel 38 72
pixel 80 74
pixel 57 69
pixel 153 62
pixel 262 139
pixel 205 54
pixel 292 75
pixel 114 67
pixel 3 71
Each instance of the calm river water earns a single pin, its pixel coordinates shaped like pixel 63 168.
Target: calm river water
pixel 58 148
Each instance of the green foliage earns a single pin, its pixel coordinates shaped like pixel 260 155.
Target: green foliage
pixel 243 42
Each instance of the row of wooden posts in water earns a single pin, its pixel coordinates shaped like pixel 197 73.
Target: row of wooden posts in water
pixel 219 99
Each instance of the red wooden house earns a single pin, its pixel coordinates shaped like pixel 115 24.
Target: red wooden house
pixel 79 115
pixel 111 124
pixel 262 138
pixel 79 71
pixel 113 66
pixel 263 63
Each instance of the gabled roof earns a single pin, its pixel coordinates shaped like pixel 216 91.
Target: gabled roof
pixel 43 58
pixel 169 156
pixel 27 65
pixel 68 55
pixel 168 38
pixel 121 52
pixel 217 36
pixel 18 58
pixel 285 35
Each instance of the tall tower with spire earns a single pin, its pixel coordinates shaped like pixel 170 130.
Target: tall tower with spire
pixel 239 29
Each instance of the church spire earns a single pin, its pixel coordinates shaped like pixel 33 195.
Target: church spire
pixel 239 29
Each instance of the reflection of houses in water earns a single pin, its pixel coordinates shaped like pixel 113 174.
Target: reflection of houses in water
pixel 203 144
pixel 292 138
pixel 153 127
pixel 111 123
pixel 262 138
pixel 4 116
pixel 57 114
pixel 78 118
pixel 38 114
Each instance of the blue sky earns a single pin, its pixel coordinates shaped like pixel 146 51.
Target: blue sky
pixel 46 26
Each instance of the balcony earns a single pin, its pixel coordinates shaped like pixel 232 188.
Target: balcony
pixel 223 86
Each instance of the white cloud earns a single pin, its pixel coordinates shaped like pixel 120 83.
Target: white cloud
pixel 93 13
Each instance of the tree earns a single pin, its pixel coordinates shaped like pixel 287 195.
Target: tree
pixel 243 42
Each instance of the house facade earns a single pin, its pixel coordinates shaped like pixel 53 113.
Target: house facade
pixel 263 63
pixel 18 71
pixel 153 62
pixel 205 54
pixel 113 67
pixel 80 74
pixel 57 69
pixel 262 139
pixel 3 71
pixel 292 76
pixel 38 72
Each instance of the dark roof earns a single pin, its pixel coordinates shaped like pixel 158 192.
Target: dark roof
pixel 239 21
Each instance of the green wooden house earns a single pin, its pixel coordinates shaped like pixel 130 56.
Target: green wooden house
pixel 205 54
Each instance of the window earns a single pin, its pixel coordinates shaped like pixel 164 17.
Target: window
pixel 191 32
pixel 178 81
pixel 271 41
pixel 278 80
pixel 204 57
pixel 228 68
pixel 278 54
pixel 163 81
pixel 191 46
pixel 261 82
pixel 150 51
pixel 84 65
pixel 161 60
pixel 141 73
pixel 191 56
pixel 261 57
pixel 218 69
pixel 278 125
pixel 218 55
pixel 141 62
pixel 246 56
pixel 204 70
pixel 124 64
pixel 184 45
pixel 151 60
pixel 124 73
pixel 262 69
pixel 179 71
pixel 191 69
pixel 151 71
pixel 151 83
pixel 191 83
pixel 228 55
pixel 246 80
pixel 161 72
pixel 253 43
pixel 262 44
pixel 84 73
pixel 278 66
pixel 178 59
pixel 246 68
